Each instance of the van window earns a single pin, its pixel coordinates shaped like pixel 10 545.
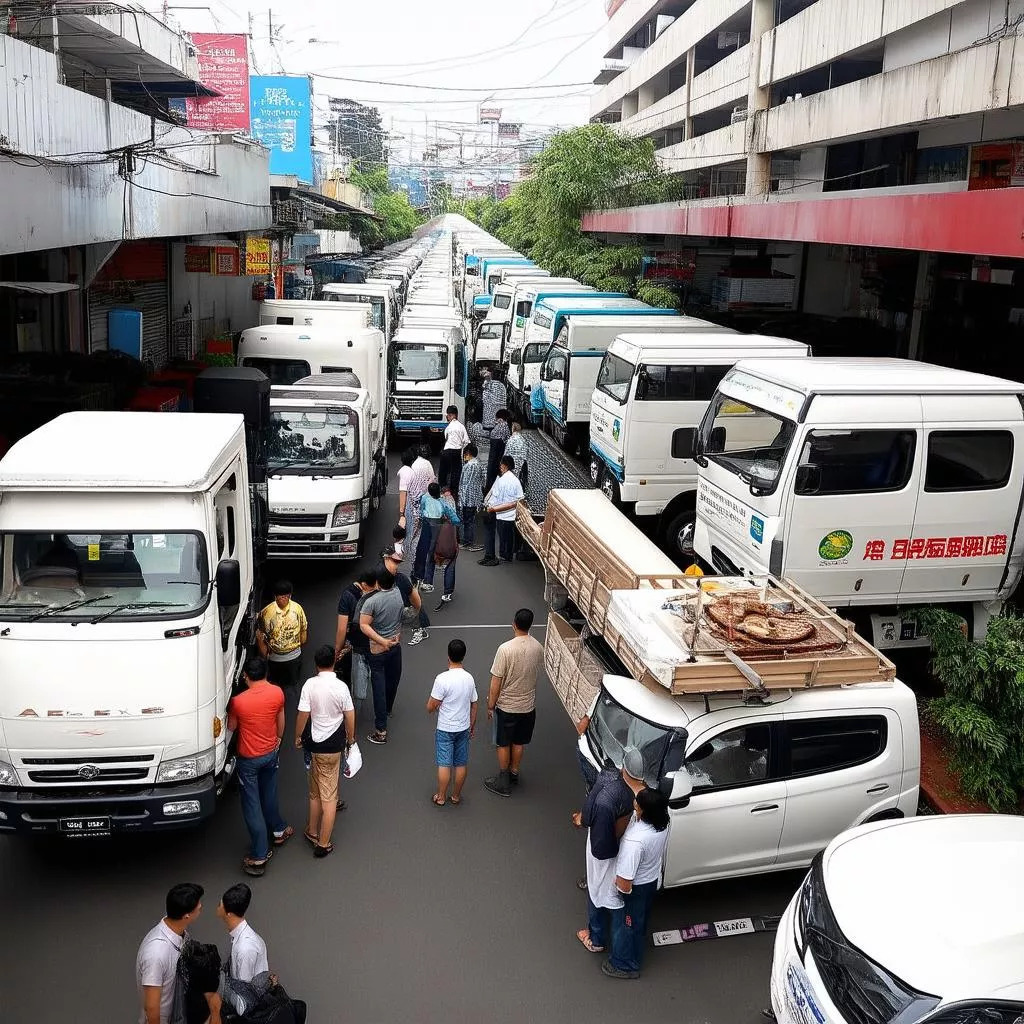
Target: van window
pixel 737 757
pixel 523 308
pixel 280 371
pixel 858 461
pixel 679 383
pixel 615 376
pixel 827 744
pixel 542 321
pixel 502 301
pixel 555 367
pixel 968 460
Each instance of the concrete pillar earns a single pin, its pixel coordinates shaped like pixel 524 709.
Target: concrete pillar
pixel 691 66
pixel 924 292
pixel 629 106
pixel 762 19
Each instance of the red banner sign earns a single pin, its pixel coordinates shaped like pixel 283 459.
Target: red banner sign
pixel 937 547
pixel 198 259
pixel 223 66
pixel 226 261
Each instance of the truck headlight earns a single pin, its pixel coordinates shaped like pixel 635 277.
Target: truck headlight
pixel 346 514
pixel 8 776
pixel 181 769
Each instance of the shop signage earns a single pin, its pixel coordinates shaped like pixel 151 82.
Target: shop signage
pixel 257 257
pixel 198 259
pixel 226 261
pixel 223 67
pixel 282 120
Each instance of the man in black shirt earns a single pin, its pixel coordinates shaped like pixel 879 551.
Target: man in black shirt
pixel 364 583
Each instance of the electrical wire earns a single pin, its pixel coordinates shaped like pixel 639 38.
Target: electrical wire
pixel 455 88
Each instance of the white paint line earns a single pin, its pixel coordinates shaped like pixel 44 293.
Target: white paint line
pixel 483 625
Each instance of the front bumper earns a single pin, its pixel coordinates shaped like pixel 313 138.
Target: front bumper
pixel 79 814
pixel 294 542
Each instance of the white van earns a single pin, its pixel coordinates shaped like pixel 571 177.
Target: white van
pixel 429 370
pixel 875 484
pixel 499 316
pixel 379 297
pixel 652 391
pixel 327 461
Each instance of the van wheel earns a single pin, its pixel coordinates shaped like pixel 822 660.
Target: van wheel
pixel 679 535
pixel 610 487
pixel 596 469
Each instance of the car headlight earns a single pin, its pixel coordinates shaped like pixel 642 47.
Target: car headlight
pixel 181 769
pixel 8 776
pixel 346 514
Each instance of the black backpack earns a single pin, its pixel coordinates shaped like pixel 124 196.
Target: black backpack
pixel 356 637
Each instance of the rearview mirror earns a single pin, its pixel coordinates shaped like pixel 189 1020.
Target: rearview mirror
pixel 229 583
pixel 684 442
pixel 808 479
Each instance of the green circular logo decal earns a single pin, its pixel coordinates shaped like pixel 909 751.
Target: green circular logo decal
pixel 838 544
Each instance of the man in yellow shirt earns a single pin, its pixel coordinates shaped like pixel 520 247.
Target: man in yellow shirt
pixel 282 633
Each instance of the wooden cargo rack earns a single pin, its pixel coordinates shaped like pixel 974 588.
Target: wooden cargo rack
pixel 707 656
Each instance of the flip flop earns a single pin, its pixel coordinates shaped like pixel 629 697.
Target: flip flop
pixel 322 851
pixel 311 839
pixel 584 936
pixel 455 800
pixel 284 836
pixel 256 867
pixel 436 802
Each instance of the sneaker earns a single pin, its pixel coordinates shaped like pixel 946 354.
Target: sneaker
pixel 426 588
pixel 472 547
pixel 513 778
pixel 418 637
pixel 613 972
pixel 498 784
pixel 378 737
pixel 446 598
pixel 488 561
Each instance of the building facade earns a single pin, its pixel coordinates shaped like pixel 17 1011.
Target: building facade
pixel 842 159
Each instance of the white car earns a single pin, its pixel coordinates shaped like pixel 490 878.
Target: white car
pixel 919 921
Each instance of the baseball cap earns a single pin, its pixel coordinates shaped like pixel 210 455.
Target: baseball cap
pixel 389 552
pixel 633 763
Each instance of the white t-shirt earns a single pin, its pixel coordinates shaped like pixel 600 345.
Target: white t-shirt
pixel 157 964
pixel 601 881
pixel 455 436
pixel 456 690
pixel 403 478
pixel 641 852
pixel 326 698
pixel 506 488
pixel 248 953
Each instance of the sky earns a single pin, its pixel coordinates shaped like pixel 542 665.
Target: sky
pixel 414 65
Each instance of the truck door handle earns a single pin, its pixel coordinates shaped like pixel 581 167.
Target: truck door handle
pixel 761 808
pixel 879 789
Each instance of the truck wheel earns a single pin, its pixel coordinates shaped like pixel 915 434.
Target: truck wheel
pixel 679 535
pixel 596 470
pixel 610 487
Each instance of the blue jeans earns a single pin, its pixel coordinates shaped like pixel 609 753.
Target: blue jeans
pixel 596 922
pixel 629 927
pixel 385 675
pixel 449 575
pixel 257 778
pixel 429 529
pixel 468 516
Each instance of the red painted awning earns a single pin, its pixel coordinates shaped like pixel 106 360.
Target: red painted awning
pixel 984 223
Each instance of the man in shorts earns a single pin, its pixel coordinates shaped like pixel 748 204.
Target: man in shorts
pixel 512 700
pixel 326 704
pixel 454 698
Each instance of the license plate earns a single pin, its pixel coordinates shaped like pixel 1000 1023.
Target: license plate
pixel 84 826
pixel 799 997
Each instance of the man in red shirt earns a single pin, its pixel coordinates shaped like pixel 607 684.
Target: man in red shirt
pixel 257 713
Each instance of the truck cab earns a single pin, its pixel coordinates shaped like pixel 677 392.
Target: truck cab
pixel 527 295
pixel 429 370
pixel 379 297
pixel 875 484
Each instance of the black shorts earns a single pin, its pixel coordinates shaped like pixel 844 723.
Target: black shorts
pixel 513 730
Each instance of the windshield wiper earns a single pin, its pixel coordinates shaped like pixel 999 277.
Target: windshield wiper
pixel 135 604
pixel 419 380
pixel 50 610
pixel 273 467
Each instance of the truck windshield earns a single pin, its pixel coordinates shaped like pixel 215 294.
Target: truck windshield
pixel 746 441
pixel 82 576
pixel 613 729
pixel 615 377
pixel 375 302
pixel 309 441
pixel 502 301
pixel 489 331
pixel 421 362
pixel 535 353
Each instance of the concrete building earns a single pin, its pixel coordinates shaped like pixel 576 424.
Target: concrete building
pixel 850 160
pixel 103 187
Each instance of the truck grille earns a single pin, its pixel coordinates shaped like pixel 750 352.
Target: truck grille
pixel 57 776
pixel 298 519
pixel 103 768
pixel 420 408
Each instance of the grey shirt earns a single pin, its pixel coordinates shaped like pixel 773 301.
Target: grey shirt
pixel 386 607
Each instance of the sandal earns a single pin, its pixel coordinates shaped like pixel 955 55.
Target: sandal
pixel 436 802
pixel 311 838
pixel 584 936
pixel 284 836
pixel 455 800
pixel 322 851
pixel 256 867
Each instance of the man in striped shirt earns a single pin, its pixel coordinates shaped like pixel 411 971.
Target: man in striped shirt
pixel 471 496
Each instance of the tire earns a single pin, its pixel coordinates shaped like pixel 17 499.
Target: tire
pixel 678 536
pixel 375 489
pixel 596 471
pixel 609 487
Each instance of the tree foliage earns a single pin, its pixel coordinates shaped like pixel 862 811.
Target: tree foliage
pixel 398 218
pixel 982 709
pixel 582 169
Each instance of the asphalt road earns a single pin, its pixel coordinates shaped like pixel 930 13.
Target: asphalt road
pixel 423 913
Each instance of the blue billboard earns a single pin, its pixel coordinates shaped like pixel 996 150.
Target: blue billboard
pixel 282 120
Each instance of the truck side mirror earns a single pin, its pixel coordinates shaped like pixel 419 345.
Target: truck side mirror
pixel 677 786
pixel 808 479
pixel 684 442
pixel 229 583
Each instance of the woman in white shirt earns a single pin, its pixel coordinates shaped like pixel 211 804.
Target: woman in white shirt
pixel 637 874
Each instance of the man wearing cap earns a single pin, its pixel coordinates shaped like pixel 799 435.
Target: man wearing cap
pixel 392 559
pixel 605 815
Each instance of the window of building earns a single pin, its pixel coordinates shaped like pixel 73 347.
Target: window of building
pixel 968 460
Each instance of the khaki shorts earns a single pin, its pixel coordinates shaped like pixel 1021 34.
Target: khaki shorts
pixel 323 777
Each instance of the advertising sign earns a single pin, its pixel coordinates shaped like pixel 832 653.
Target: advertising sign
pixel 223 66
pixel 226 261
pixel 490 114
pixel 282 121
pixel 509 130
pixel 257 257
pixel 198 259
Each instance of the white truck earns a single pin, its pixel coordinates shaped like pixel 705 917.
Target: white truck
pixel 651 394
pixel 428 370
pixel 314 313
pixel 327 460
pixel 875 484
pixel 127 544
pixel 526 297
pixel 379 297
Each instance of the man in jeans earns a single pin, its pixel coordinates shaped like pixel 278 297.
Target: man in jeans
pixel 258 716
pixel 380 619
pixel 500 518
pixel 449 469
pixel 471 495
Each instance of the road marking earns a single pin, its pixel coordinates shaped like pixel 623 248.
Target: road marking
pixel 484 625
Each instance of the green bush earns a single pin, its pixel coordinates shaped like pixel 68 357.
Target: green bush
pixel 982 709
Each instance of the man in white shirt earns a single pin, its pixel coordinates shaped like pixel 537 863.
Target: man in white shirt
pixel 449 470
pixel 248 950
pixel 500 505
pixel 454 698
pixel 156 965
pixel 326 705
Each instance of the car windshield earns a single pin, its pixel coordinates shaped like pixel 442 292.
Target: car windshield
pixel 615 377
pixel 421 362
pixel 613 729
pixel 82 576
pixel 746 440
pixel 307 441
